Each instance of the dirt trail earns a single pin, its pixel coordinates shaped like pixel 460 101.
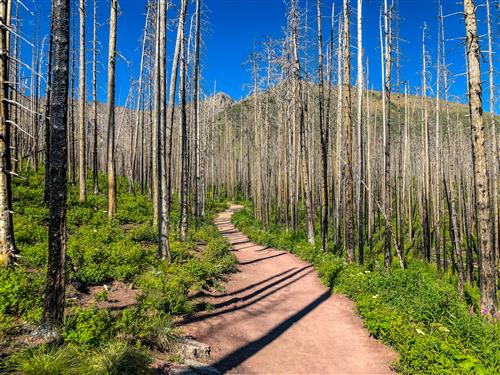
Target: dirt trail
pixel 275 317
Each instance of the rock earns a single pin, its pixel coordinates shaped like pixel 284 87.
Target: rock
pixel 194 350
pixel 202 368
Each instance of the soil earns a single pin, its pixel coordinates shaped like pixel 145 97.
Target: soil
pixel 275 317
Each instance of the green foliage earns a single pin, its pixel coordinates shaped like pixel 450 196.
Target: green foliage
pixel 104 253
pixel 21 293
pixel 118 358
pixel 151 328
pixel 114 358
pixel 414 310
pixel 87 327
pixel 146 232
pixel 43 360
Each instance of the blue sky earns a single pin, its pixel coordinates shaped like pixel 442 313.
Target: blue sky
pixel 234 27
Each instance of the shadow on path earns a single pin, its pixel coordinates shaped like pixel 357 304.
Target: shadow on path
pixel 242 354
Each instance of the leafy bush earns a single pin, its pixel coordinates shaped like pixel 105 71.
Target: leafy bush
pixel 21 293
pixel 101 254
pixel 87 327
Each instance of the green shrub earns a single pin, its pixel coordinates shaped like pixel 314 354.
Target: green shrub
pixel 21 293
pixel 146 232
pixel 34 255
pixel 87 328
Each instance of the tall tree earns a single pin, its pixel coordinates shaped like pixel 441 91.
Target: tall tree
pixel 168 131
pixel 82 167
pixel 183 223
pixel 361 156
pixel 7 245
pixel 487 279
pixel 387 134
pixel 111 110
pixel 56 265
pixel 493 124
pixel 95 161
pixel 347 138
pixel 198 190
pixel 324 135
pixel 298 115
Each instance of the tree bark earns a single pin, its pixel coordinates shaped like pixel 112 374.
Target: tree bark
pixel 487 277
pixel 56 266
pixel 82 167
pixel 111 111
pixel 7 244
pixel 347 164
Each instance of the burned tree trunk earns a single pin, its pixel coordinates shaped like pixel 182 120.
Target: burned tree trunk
pixel 111 111
pixel 82 175
pixel 7 245
pixel 487 277
pixel 56 266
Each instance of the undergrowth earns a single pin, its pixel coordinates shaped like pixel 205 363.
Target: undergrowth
pixel 419 314
pixel 103 341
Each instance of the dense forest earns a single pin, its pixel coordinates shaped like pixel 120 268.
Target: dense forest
pixel 113 238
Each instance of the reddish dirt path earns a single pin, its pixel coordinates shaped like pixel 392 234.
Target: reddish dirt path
pixel 275 317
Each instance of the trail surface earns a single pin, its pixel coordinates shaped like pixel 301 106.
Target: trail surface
pixel 275 317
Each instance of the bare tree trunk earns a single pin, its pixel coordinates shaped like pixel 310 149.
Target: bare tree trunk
pixel 7 248
pixel 361 156
pixel 487 284
pixel 47 118
pixel 387 136
pixel 95 161
pixel 167 174
pixel 198 190
pixel 347 165
pixel 324 130
pixel 496 151
pixel 426 231
pixel 298 109
pixel 184 147
pixel 82 167
pixel 111 111
pixel 56 266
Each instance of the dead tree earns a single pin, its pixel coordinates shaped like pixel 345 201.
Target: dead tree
pixel 7 244
pixel 198 189
pixel 347 172
pixel 487 284
pixel 111 111
pixel 183 223
pixel 82 167
pixel 56 265
pixel 324 135
pixel 168 131
pixel 95 161
pixel 361 156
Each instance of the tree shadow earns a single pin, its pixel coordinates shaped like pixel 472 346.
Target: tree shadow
pixel 258 291
pixel 240 355
pixel 251 295
pixel 254 284
pixel 261 259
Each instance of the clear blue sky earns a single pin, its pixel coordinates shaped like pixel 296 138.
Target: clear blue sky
pixel 234 27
